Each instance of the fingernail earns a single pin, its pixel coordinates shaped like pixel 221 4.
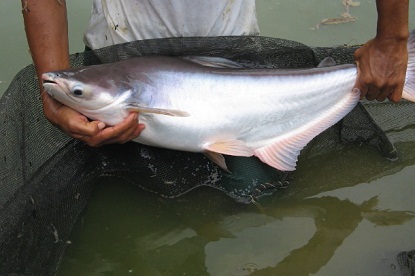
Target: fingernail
pixel 101 125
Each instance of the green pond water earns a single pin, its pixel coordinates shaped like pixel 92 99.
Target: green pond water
pixel 346 213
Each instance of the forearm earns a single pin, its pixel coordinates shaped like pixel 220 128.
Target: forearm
pixel 47 33
pixel 392 19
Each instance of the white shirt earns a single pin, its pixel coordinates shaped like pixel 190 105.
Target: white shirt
pixel 119 21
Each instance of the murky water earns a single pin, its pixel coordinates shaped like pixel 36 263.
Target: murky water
pixel 347 213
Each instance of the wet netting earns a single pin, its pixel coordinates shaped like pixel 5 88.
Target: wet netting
pixel 45 177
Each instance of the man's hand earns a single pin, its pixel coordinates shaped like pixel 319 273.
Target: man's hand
pixel 381 65
pixel 93 133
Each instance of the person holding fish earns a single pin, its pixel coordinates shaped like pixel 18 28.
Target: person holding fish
pixel 381 62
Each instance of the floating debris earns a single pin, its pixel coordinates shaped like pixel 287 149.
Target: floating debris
pixel 345 16
pixel 350 3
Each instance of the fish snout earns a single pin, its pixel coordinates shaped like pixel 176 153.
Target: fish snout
pixel 49 77
pixel 49 83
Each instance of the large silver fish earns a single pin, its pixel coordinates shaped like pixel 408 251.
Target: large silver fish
pixel 190 106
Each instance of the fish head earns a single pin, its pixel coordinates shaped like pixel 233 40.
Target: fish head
pixel 84 88
pixel 98 92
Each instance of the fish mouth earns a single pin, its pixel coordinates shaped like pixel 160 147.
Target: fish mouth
pixel 50 87
pixel 48 83
pixel 54 90
pixel 48 78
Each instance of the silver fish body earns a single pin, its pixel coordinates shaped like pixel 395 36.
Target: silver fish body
pixel 268 113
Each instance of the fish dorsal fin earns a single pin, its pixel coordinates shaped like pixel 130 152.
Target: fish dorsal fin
pixel 215 62
pixel 327 62
pixel 282 152
pixel 133 107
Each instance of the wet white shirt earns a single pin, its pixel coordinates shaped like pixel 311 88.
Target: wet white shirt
pixel 119 21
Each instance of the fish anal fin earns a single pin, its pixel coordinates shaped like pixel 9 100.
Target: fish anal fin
pixel 217 158
pixel 282 152
pixel 163 111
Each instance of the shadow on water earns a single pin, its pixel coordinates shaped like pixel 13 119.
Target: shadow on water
pixel 330 218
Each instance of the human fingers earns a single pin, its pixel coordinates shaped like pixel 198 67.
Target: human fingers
pixel 127 130
pixel 373 92
pixel 396 94
pixel 72 122
pixel 360 84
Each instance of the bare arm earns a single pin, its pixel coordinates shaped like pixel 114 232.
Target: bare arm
pixel 382 61
pixel 47 34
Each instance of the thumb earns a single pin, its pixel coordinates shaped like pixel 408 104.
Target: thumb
pixel 91 128
pixel 97 125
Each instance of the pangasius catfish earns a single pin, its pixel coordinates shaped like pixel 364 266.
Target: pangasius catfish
pixel 186 104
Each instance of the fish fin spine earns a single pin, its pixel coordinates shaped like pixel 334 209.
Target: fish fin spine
pixel 282 153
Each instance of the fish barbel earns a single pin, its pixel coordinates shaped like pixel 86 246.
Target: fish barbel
pixel 188 105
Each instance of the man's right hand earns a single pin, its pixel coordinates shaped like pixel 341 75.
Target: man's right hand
pixel 93 133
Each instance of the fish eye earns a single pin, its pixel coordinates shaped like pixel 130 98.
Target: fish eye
pixel 77 91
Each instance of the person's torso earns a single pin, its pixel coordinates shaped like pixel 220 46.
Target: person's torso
pixel 119 21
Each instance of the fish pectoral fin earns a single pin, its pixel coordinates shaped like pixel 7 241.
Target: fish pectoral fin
pixel 164 111
pixel 218 159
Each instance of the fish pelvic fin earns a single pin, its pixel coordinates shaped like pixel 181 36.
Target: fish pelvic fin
pixel 214 151
pixel 163 111
pixel 409 87
pixel 234 147
pixel 282 152
pixel 218 159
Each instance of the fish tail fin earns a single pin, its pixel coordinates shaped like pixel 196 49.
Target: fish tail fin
pixel 409 88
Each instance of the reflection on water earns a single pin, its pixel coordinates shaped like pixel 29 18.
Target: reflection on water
pixel 345 214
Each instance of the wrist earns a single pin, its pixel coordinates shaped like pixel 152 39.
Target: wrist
pixel 392 20
pixel 50 105
pixel 398 36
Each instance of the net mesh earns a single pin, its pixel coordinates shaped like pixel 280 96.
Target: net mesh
pixel 45 177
